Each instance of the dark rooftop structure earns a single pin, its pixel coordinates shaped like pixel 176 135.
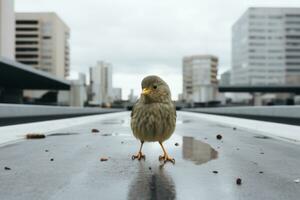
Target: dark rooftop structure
pixel 14 75
pixel 265 89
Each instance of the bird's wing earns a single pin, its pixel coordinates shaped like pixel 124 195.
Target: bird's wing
pixel 132 111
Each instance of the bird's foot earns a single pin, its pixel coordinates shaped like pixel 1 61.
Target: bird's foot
pixel 138 156
pixel 166 158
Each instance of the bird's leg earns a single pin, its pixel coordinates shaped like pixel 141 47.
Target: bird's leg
pixel 139 155
pixel 165 157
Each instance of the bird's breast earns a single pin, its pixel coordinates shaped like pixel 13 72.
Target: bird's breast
pixel 153 122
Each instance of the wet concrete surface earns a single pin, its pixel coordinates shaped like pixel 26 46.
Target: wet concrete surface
pixel 76 171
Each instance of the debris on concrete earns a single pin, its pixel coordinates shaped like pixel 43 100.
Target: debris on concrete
pixel 52 159
pixel 122 142
pixel 215 172
pixel 103 159
pixel 150 168
pixel 261 172
pixel 35 136
pixel 46 150
pixel 176 144
pixel 239 181
pixel 297 180
pixel 262 153
pixel 94 130
pixel 7 168
pixel 219 137
pixel 234 128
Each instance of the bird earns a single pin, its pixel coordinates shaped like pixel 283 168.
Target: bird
pixel 153 116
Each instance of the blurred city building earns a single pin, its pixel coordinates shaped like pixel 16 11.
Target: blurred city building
pixel 131 97
pixel 225 78
pixel 200 78
pixel 117 94
pixel 266 47
pixel 42 41
pixel 7 29
pixel 101 92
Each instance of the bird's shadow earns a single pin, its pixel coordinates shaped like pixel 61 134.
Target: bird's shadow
pixel 152 184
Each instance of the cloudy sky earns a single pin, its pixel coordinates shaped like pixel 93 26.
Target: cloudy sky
pixel 143 37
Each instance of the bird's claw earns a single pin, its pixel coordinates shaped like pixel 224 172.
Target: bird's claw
pixel 138 156
pixel 166 158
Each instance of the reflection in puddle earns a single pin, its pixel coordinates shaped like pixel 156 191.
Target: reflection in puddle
pixel 197 151
pixel 152 184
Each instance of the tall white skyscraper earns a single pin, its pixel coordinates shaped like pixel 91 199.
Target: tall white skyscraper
pixel 266 47
pixel 200 78
pixel 7 29
pixel 101 83
pixel 42 41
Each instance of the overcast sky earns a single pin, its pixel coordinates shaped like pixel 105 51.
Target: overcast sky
pixel 143 37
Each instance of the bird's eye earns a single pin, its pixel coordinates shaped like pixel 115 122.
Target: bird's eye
pixel 154 86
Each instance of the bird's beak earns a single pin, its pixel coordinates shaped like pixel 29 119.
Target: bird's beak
pixel 146 91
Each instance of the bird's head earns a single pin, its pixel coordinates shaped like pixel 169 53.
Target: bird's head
pixel 155 90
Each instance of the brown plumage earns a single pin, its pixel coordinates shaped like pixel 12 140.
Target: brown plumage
pixel 153 117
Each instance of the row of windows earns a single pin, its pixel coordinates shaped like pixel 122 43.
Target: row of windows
pixel 264 57
pixel 292 15
pixel 26 49
pixel 27 42
pixel 27 29
pixel 27 22
pixel 292 63
pixel 293 43
pixel 27 35
pixel 29 62
pixel 293 36
pixel 292 50
pixel 293 70
pixel 292 29
pixel 26 56
pixel 293 57
pixel 292 22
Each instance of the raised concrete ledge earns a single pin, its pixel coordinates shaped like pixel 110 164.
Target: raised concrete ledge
pixel 272 111
pixel 19 111
pixel 279 114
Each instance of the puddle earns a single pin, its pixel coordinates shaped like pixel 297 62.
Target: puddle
pixel 151 183
pixel 262 137
pixel 197 151
pixel 113 122
pixel 62 134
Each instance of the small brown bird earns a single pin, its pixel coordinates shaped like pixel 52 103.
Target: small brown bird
pixel 153 117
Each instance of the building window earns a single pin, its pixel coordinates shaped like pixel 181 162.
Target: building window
pixel 293 36
pixel 27 29
pixel 46 37
pixel 29 62
pixel 26 56
pixel 27 42
pixel 27 22
pixel 27 49
pixel 293 50
pixel 26 35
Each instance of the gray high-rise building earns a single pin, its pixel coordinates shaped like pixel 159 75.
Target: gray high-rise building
pixel 42 41
pixel 7 29
pixel 101 83
pixel 266 47
pixel 199 78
